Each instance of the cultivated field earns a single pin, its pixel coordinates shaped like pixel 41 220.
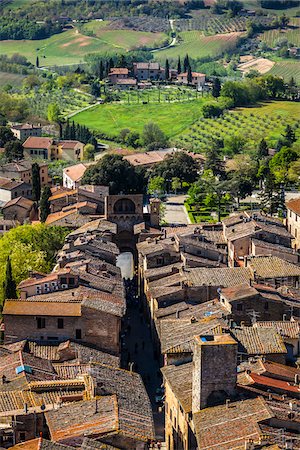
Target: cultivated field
pixel 125 39
pixel 292 34
pixel 12 79
pixel 71 46
pixel 262 65
pixel 265 121
pixel 287 69
pixel 110 119
pixel 197 45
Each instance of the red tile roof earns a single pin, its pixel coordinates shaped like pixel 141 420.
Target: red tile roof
pixel 20 201
pixel 38 142
pixel 294 205
pixel 274 383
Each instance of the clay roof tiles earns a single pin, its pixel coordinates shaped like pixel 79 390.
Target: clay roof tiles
pixel 258 341
pixel 272 267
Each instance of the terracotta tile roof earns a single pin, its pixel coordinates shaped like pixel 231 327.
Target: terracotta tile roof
pixel 147 158
pixel 239 292
pixel 58 195
pixel 228 427
pixel 180 380
pixel 118 71
pixel 25 126
pixel 285 328
pixel 135 412
pixel 183 310
pixel 258 341
pixel 271 369
pixel 269 267
pixel 76 172
pixel 177 335
pixel 8 184
pixel 294 205
pixel 89 418
pixel 222 277
pixel 194 74
pixel 69 144
pixel 268 382
pixel 125 81
pixel 32 307
pixel 23 202
pixel 150 66
pixel 41 444
pixel 38 142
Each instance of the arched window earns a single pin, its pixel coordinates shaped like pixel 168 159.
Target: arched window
pixel 124 205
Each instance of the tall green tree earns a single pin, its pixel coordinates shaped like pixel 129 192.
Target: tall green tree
pixel 189 75
pixel 36 182
pixel 153 137
pixel 179 65
pixel 216 88
pixel 186 63
pixel 289 136
pixel 13 150
pixel 37 62
pixel 263 150
pixel 9 285
pixel 167 70
pixel 54 115
pixel 45 204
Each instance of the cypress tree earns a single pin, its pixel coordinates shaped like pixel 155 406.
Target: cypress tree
pixel 189 75
pixel 216 89
pixel 9 285
pixel 37 63
pixel 167 70
pixel 179 65
pixel 45 204
pixel 101 70
pixel 186 63
pixel 36 182
pixel 263 150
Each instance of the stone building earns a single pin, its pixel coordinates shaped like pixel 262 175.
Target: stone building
pixel 22 170
pixel 293 220
pixel 19 209
pixel 25 130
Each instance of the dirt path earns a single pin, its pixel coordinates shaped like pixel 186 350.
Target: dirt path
pixel 172 43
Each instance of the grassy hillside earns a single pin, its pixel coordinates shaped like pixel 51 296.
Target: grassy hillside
pixel 126 39
pixel 266 120
pixel 110 119
pixel 71 46
pixel 292 34
pixel 13 79
pixel 287 69
pixel 198 46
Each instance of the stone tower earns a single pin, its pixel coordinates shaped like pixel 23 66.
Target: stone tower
pixel 214 370
pixel 154 212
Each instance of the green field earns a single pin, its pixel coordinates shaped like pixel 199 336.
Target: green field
pixel 13 79
pixel 197 45
pixel 292 34
pixel 265 121
pixel 70 47
pixel 287 69
pixel 110 119
pixel 126 39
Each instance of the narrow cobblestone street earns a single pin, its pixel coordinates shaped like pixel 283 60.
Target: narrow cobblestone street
pixel 138 352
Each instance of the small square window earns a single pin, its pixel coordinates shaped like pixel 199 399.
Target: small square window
pixel 41 322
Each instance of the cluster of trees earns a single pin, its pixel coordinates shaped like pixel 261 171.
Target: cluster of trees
pixel 78 132
pixel 176 171
pixel 223 184
pixel 13 149
pixel 247 92
pixel 279 4
pixel 15 64
pixel 13 108
pixel 27 248
pixel 231 7
pixel 152 137
pixel 117 173
pixel 81 9
pixel 18 28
